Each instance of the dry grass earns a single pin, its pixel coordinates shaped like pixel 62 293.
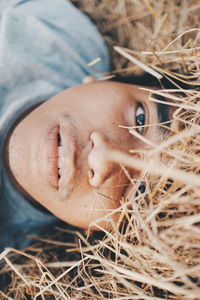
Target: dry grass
pixel 154 250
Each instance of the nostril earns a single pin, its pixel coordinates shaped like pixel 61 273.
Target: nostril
pixel 90 174
pixel 96 180
pixel 92 144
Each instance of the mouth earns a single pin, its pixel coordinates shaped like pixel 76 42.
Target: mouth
pixel 60 158
pixel 59 141
pixel 51 157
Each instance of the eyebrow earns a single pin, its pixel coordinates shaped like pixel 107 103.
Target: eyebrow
pixel 162 112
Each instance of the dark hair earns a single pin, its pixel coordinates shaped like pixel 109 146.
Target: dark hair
pixel 146 79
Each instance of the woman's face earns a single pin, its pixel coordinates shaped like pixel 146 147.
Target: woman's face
pixel 57 152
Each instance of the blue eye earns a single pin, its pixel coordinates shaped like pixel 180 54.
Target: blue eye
pixel 140 119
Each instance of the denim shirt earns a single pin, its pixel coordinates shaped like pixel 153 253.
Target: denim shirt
pixel 45 47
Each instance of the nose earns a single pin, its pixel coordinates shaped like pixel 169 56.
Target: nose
pixel 99 166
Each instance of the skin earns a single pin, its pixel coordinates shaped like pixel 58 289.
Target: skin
pixel 86 117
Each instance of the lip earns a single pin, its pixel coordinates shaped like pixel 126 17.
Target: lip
pixel 67 158
pixel 51 157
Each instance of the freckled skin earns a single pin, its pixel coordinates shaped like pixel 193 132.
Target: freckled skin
pixel 92 113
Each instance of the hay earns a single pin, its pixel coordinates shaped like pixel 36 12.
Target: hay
pixel 154 250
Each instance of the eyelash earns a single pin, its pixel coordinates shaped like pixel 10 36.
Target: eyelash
pixel 140 122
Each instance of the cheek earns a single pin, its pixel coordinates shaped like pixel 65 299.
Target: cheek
pixel 89 209
pixel 87 205
pixel 122 139
pixel 16 155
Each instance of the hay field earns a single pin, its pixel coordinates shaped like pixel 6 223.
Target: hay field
pixel 153 252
